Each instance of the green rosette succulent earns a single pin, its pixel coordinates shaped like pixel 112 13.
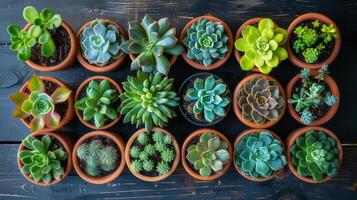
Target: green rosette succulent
pixel 151 41
pixel 206 41
pixel 100 43
pixel 208 99
pixel 259 155
pixel 148 99
pixel 263 46
pixel 98 103
pixel 260 101
pixel 42 159
pixel 39 104
pixel 209 155
pixel 315 155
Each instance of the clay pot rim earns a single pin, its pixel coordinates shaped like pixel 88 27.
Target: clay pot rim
pixel 183 111
pixel 185 163
pixel 104 179
pixel 301 131
pixel 82 87
pixel 67 62
pixel 218 63
pixel 322 18
pixel 70 103
pixel 248 132
pixel 238 111
pixel 117 63
pixel 66 146
pixel 154 178
pixel 331 111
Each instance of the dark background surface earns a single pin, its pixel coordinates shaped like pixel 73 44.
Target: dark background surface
pixel 180 185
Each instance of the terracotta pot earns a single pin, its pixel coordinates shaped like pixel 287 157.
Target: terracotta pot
pixel 116 64
pixel 324 19
pixel 218 63
pixel 67 145
pixel 290 141
pixel 104 179
pixel 238 111
pixel 66 62
pixel 70 111
pixel 82 87
pixel 186 164
pixel 184 111
pixel 332 110
pixel 154 178
pixel 248 132
pixel 252 21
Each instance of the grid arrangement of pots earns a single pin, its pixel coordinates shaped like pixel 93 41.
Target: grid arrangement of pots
pixel 45 104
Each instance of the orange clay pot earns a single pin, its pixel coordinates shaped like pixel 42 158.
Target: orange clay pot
pixel 306 17
pixel 290 141
pixel 218 63
pixel 66 62
pixel 116 64
pixel 238 111
pixel 332 110
pixel 70 111
pixel 67 145
pixel 186 164
pixel 104 179
pixel 82 87
pixel 250 131
pixel 154 178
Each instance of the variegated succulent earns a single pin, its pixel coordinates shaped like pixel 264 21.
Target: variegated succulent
pixel 100 43
pixel 39 104
pixel 206 41
pixel 260 101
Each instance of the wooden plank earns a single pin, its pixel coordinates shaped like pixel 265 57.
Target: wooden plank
pixel 178 186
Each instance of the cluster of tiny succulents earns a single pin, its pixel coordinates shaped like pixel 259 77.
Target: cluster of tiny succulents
pixel 153 153
pixel 312 39
pixel 151 41
pixel 263 46
pixel 100 43
pixel 148 99
pixel 38 34
pixel 315 155
pixel 39 104
pixel 206 41
pixel 42 159
pixel 209 155
pixel 208 99
pixel 97 158
pixel 312 95
pixel 259 155
pixel 260 101
pixel 97 104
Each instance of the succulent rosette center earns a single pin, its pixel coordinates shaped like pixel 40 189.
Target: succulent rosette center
pixel 42 105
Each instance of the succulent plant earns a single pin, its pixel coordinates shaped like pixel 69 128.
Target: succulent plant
pixel 148 99
pixel 153 153
pixel 263 46
pixel 96 157
pixel 209 154
pixel 315 155
pixel 100 43
pixel 151 41
pixel 42 159
pixel 39 104
pixel 98 102
pixel 206 41
pixel 260 101
pixel 259 155
pixel 329 33
pixel 208 98
pixel 312 95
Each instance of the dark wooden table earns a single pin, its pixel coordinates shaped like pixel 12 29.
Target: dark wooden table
pixel 180 185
